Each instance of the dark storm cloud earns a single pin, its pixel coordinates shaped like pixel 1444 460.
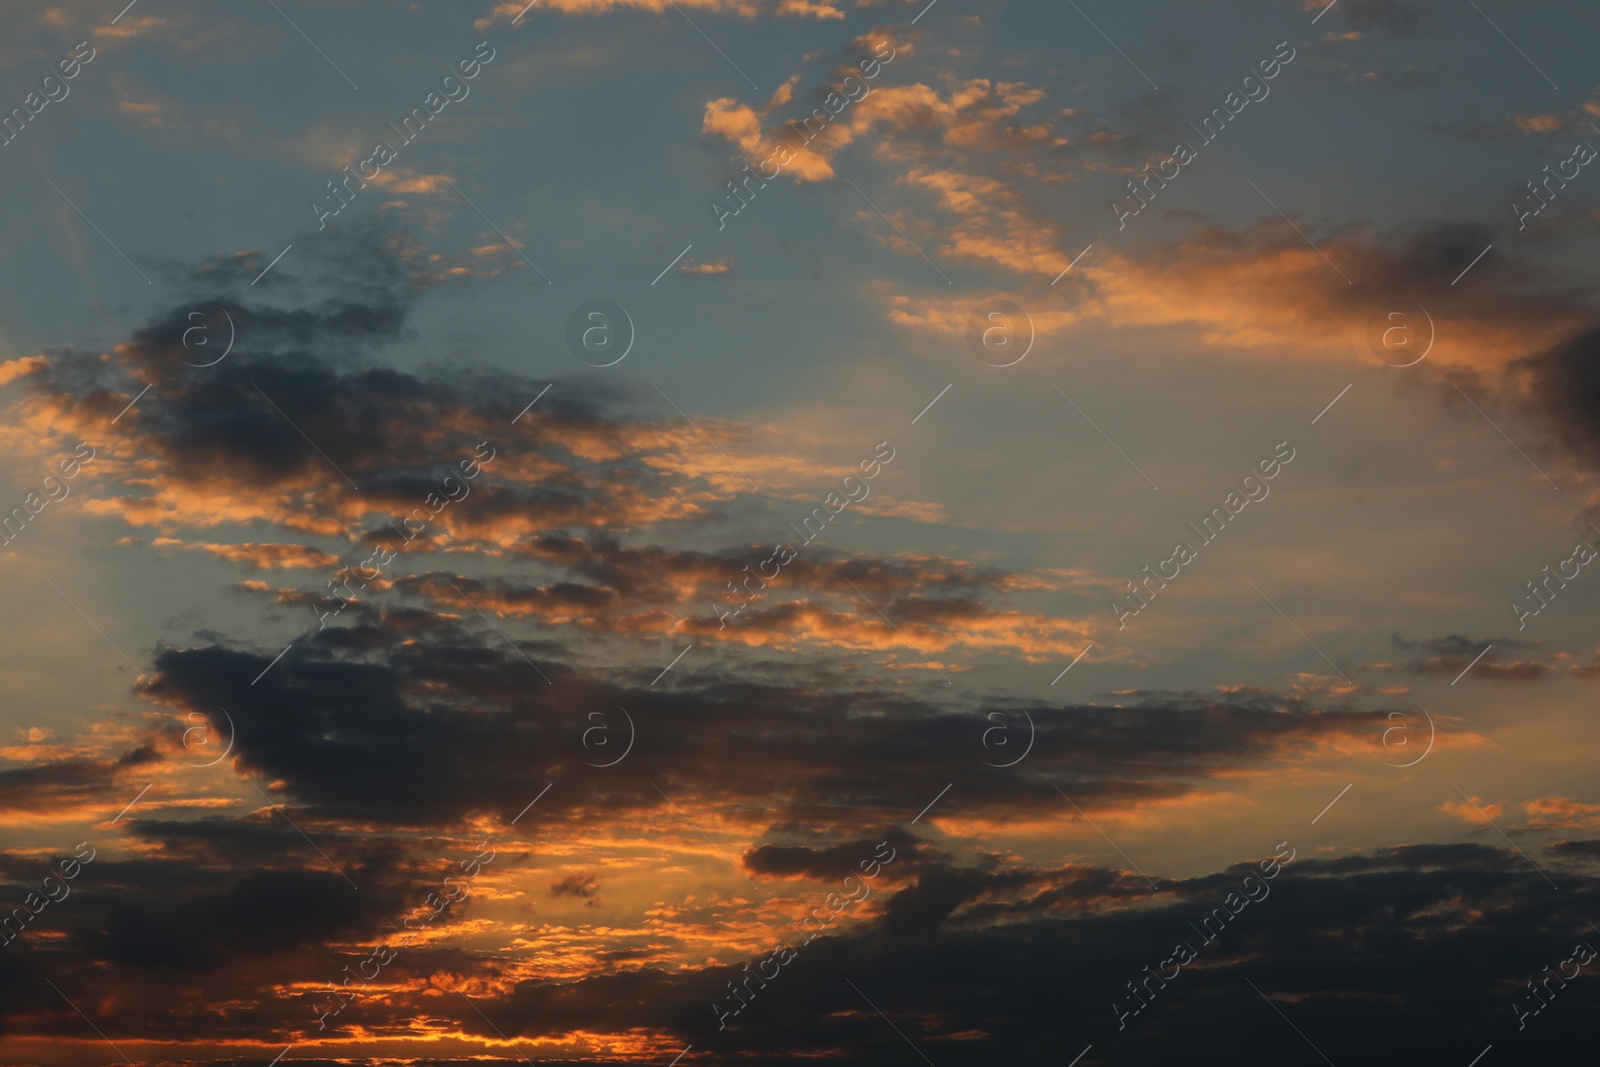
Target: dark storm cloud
pixel 434 726
pixel 1563 385
pixel 227 928
pixel 227 950
pixel 1381 958
pixel 219 841
pixel 241 914
pixel 170 939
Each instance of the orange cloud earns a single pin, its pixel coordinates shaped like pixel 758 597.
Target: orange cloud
pixel 807 8
pixel 1537 123
pixel 1561 813
pixel 12 369
pixel 257 556
pixel 1468 813
pixel 420 183
pixel 976 115
pixel 994 224
pixel 934 601
pixel 917 627
pixel 511 9
pixel 131 26
pixel 1262 290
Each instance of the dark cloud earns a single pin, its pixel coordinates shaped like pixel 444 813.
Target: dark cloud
pixel 433 727
pixel 1390 16
pixel 837 861
pixel 1453 654
pixel 1562 384
pixel 1378 958
pixel 222 842
pixel 66 783
pixel 582 886
pixel 412 719
pixel 1458 644
pixel 252 914
pixel 300 428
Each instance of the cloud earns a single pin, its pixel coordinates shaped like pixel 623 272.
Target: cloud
pixel 1382 955
pixel 1395 16
pixel 606 587
pixel 258 556
pixel 834 862
pixel 1587 670
pixel 65 789
pixel 1264 289
pixel 229 445
pixel 1473 811
pixel 1454 654
pixel 133 26
pixel 510 10
pixel 984 944
pixel 582 886
pixel 927 624
pixel 1398 17
pixel 1561 813
pixel 1519 126
pixel 909 122
pixel 1562 384
pixel 347 724
pixel 276 434
pixel 994 224
pixel 27 366
pixel 1580 850
pixel 819 9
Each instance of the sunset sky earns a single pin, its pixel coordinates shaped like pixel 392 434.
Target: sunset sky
pixel 761 531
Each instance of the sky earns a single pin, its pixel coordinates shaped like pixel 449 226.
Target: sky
pixel 750 531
